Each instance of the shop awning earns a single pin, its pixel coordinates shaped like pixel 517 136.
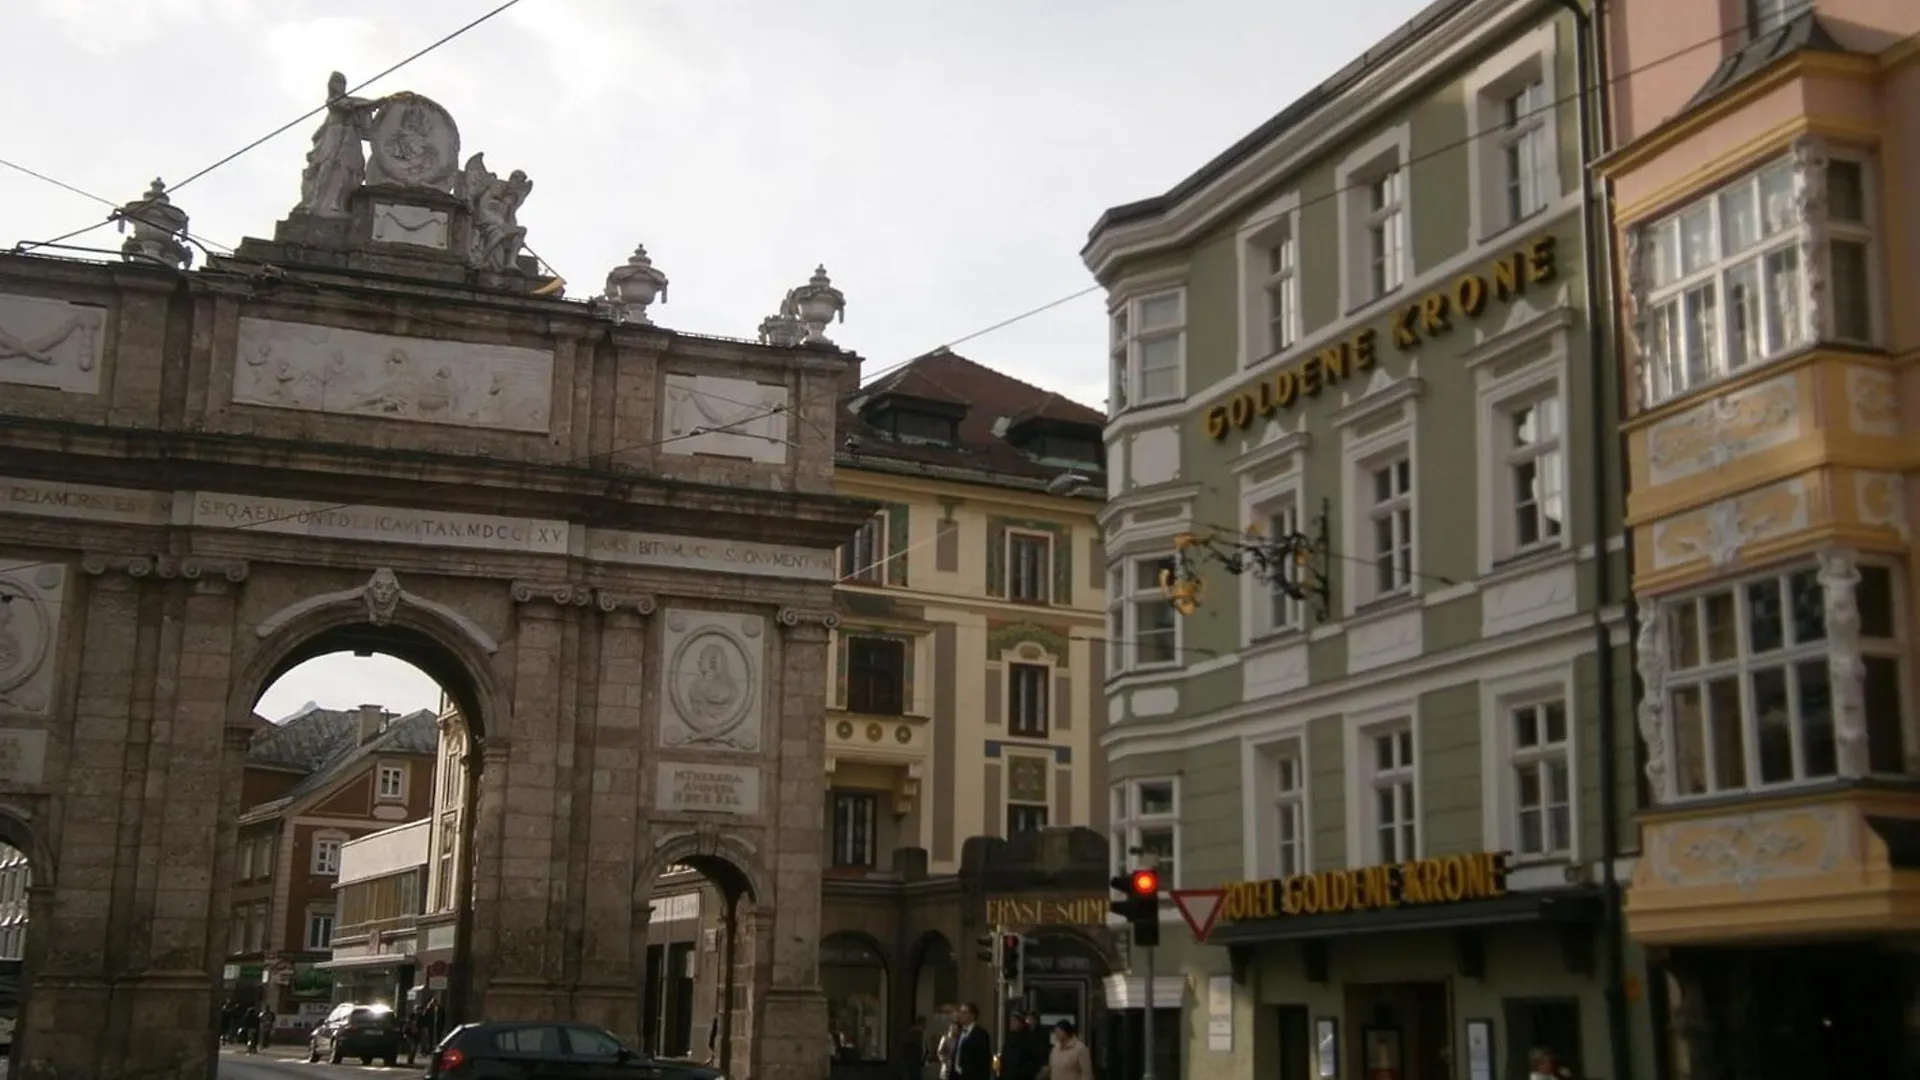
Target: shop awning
pixel 380 960
pixel 1545 906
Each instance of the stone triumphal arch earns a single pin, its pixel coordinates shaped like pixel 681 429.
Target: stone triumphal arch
pixel 381 431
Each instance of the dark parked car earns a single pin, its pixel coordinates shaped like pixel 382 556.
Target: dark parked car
pixel 537 1050
pixel 356 1031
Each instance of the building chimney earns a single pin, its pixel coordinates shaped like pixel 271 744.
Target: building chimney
pixel 373 720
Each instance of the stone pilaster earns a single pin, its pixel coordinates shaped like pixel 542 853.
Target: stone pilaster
pixel 474 966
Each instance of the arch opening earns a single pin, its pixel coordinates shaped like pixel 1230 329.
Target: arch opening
pixel 703 947
pixel 856 978
pixel 385 744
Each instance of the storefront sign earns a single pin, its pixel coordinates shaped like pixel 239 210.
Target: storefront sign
pixel 1447 879
pixel 1426 319
pixel 1061 911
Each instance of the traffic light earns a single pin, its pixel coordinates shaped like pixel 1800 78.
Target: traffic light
pixel 1141 906
pixel 1010 958
pixel 989 948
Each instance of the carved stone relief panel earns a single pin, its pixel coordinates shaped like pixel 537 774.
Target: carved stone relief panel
pixel 1880 498
pixel 1717 533
pixel 1723 429
pixel 1873 404
pixel 51 343
pixel 288 365
pixel 712 670
pixel 30 597
pixel 738 418
pixel 420 226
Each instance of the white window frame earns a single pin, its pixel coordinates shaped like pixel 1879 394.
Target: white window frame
pixel 1271 480
pixel 398 791
pixel 1807 234
pixel 1364 821
pixel 1276 223
pixel 1269 611
pixel 322 844
pixel 1128 332
pixel 315 917
pixel 1129 823
pixel 1379 427
pixel 1044 804
pixel 1269 800
pixel 1674 680
pixel 1532 60
pixel 1498 754
pixel 1532 366
pixel 1539 758
pixel 1126 595
pixel 1388 153
pixel 875 533
pixel 1047 540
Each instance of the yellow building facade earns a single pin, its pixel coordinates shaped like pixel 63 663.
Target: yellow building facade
pixel 1769 249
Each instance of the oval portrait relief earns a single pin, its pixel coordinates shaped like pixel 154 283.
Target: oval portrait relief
pixel 24 634
pixel 713 682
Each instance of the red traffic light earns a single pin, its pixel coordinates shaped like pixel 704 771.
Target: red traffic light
pixel 1144 882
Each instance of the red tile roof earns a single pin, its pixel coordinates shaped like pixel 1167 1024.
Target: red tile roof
pixel 994 403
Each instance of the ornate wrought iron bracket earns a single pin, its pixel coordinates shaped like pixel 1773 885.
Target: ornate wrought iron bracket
pixel 1296 564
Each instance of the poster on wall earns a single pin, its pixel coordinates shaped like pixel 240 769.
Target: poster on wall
pixel 1220 1013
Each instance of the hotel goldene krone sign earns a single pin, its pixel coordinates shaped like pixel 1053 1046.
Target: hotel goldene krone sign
pixel 1429 317
pixel 1447 879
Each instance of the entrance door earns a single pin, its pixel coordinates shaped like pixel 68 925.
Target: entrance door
pixel 1054 1000
pixel 1296 1045
pixel 1543 1023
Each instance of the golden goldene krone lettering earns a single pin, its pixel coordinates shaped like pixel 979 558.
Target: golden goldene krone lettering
pixel 1217 422
pixel 1427 317
pixel 1240 410
pixel 1470 295
pixel 1540 260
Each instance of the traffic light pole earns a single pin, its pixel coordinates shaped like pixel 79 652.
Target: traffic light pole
pixel 1146 1031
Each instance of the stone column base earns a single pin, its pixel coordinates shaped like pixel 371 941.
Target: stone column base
pixel 155 1027
pixel 790 1036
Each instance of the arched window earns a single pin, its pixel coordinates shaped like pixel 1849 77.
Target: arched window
pixel 854 976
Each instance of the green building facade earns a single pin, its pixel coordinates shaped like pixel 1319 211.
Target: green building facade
pixel 1403 765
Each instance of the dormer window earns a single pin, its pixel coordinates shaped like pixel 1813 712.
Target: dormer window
pixel 1058 441
pixel 911 419
pixel 912 426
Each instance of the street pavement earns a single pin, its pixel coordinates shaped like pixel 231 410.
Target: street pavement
pixel 290 1063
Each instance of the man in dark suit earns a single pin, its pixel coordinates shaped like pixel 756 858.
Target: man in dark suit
pixel 973 1058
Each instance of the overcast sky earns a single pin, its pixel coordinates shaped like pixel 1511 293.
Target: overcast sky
pixel 944 160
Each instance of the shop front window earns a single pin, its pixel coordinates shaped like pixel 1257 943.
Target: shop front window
pixel 854 976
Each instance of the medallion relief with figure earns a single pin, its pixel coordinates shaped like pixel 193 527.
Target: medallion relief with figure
pixel 30 595
pixel 712 663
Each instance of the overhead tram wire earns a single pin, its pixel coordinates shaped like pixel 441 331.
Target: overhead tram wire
pixel 283 128
pixel 796 409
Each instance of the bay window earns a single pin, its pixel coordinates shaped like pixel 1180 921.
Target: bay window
pixel 1142 629
pixel 1146 827
pixel 1148 349
pixel 1753 678
pixel 1725 283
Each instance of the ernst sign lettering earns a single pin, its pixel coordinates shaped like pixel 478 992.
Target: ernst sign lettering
pixel 1063 911
pixel 1446 879
pixel 1428 318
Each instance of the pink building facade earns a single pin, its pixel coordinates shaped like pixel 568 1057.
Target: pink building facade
pixel 1763 163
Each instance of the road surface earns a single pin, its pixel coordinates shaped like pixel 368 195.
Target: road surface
pixel 290 1063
